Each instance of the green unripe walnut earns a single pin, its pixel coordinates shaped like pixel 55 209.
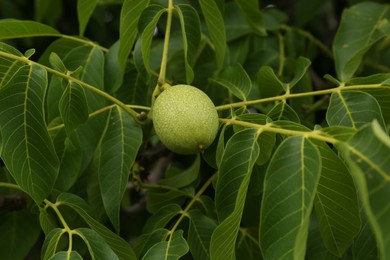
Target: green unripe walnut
pixel 185 119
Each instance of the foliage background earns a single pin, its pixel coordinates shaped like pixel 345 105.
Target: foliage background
pixel 300 168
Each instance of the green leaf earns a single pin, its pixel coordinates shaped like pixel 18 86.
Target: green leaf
pixel 159 197
pixel 150 16
pixel 367 155
pixel 22 29
pixel 216 29
pixel 361 26
pixel 365 246
pixel 336 203
pixel 73 106
pixel 282 111
pixel 269 84
pixel 289 190
pixel 173 249
pixel 253 15
pixel 240 155
pixel 113 75
pixel 190 27
pixel 56 63
pixel 130 13
pixel 301 65
pixel 266 140
pixel 236 25
pixel 185 177
pixel 14 243
pixel 236 80
pixel 199 234
pixel 146 241
pixel 84 11
pixel 341 133
pixel 8 66
pixel 27 149
pixel 117 151
pixel 353 109
pixel 61 47
pixel 91 59
pixel 97 247
pixel 121 248
pixel 161 217
pixel 73 255
pixel 70 153
pixel 47 221
pixel 51 243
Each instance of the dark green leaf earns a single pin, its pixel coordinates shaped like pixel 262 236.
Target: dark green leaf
pixel 301 66
pixel 130 13
pixel 361 26
pixel 91 60
pixel 146 241
pixel 367 155
pixel 289 190
pixel 266 140
pixel 282 111
pixel 121 248
pixel 8 66
pixel 269 84
pixel 27 150
pixel 73 106
pixel 19 232
pixel 240 155
pixel 117 151
pixel 158 197
pixel 51 243
pixel 173 249
pixel 70 153
pixel 23 29
pixel 236 80
pixel 341 133
pixel 336 203
pixel 113 74
pixel 73 255
pixel 199 234
pixel 190 27
pixel 216 27
pixel 353 109
pixel 97 247
pixel 161 217
pixel 365 246
pixel 253 15
pixel 150 16
pixel 236 25
pixel 184 178
pixel 84 11
pixel 56 62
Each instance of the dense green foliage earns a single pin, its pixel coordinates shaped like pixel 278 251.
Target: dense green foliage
pixel 300 167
